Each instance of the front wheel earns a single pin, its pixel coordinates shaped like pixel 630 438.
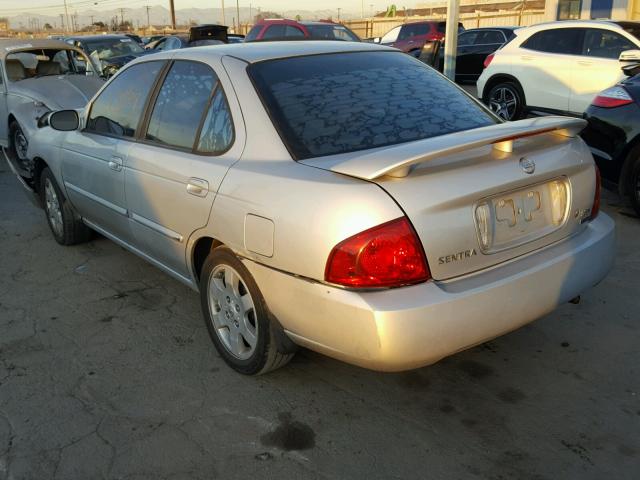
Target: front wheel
pixel 634 186
pixel 66 228
pixel 18 143
pixel 236 315
pixel 507 101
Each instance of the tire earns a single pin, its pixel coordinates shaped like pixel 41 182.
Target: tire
pixel 633 187
pixel 18 143
pixel 66 227
pixel 500 100
pixel 237 317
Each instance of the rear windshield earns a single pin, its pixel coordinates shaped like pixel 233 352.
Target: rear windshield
pixel 631 27
pixel 344 102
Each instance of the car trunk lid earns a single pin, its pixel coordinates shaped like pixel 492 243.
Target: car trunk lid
pixel 484 196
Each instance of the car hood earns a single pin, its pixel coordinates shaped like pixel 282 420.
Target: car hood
pixel 124 59
pixel 59 92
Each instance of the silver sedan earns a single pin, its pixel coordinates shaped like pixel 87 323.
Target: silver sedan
pixel 341 197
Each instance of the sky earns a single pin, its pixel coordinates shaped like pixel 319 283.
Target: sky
pixel 53 7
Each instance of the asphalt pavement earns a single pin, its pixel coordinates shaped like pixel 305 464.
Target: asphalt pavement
pixel 107 371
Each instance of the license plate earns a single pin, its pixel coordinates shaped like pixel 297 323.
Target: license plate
pixel 518 217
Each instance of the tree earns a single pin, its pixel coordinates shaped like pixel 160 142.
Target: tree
pixel 47 26
pixel 263 15
pixel 100 25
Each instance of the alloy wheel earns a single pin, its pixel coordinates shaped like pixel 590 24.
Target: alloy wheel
pixel 504 102
pixel 233 312
pixel 52 207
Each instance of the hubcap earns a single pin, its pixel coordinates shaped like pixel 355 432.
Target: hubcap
pixel 21 144
pixel 233 312
pixel 504 103
pixel 52 207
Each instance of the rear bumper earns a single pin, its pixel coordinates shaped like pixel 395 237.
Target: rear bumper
pixel 410 327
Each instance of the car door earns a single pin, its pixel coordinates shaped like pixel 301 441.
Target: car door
pixel 471 59
pixel 412 37
pixel 597 67
pixel 173 172
pixel 274 32
pixel 543 66
pixel 93 158
pixel 466 43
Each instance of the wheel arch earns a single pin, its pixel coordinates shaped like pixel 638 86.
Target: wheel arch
pixel 199 252
pixel 628 157
pixel 499 78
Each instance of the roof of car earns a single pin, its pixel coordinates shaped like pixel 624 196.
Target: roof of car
pixel 98 37
pixel 8 46
pixel 613 24
pixel 259 51
pixel 501 27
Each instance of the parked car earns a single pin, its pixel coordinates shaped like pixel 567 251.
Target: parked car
pixel 557 67
pixel 108 52
pixel 311 208
pixel 152 38
pixel 613 134
pixel 235 38
pixel 411 37
pixel 198 36
pixel 285 29
pixel 474 46
pixel 38 76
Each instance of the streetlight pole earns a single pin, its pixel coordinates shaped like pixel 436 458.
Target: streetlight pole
pixel 66 15
pixel 173 15
pixel 451 39
pixel 224 22
pixel 238 14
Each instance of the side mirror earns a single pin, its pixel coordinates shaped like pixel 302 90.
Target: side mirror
pixel 630 56
pixel 631 70
pixel 64 120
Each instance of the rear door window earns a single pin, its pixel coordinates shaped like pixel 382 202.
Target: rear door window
pixel 294 32
pixel 274 31
pixel 118 109
pixel 605 44
pixel 344 102
pixel 566 41
pixel 490 37
pixel 253 33
pixel 467 39
pixel 180 105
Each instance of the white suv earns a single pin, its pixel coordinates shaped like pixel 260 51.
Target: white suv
pixel 557 67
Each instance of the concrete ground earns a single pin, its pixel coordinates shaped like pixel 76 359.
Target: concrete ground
pixel 106 371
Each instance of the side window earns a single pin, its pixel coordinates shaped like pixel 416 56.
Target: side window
pixel 391 35
pixel 566 41
pixel 293 32
pixel 118 109
pixel 274 31
pixel 180 104
pixel 605 44
pixel 216 135
pixel 172 43
pixel 413 30
pixel 467 39
pixel 490 37
pixel 253 33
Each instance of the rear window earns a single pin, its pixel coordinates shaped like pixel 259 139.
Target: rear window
pixel 345 102
pixel 332 32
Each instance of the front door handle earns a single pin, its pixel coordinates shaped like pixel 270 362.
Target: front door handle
pixel 115 164
pixel 198 187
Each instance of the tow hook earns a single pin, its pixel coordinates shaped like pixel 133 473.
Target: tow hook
pixel 575 300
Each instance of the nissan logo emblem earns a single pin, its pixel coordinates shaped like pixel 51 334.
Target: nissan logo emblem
pixel 528 166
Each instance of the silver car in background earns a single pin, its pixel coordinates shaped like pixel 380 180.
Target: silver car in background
pixel 38 76
pixel 342 197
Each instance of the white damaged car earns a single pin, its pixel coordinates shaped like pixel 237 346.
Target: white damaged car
pixel 38 76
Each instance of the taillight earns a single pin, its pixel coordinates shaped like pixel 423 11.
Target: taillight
pixel 595 209
pixel 487 61
pixel 389 255
pixel 612 97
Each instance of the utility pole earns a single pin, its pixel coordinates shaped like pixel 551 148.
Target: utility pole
pixel 173 14
pixel 362 10
pixel 237 16
pixel 148 22
pixel 224 22
pixel 121 16
pixel 250 13
pixel 62 22
pixel 339 13
pixel 66 15
pixel 451 39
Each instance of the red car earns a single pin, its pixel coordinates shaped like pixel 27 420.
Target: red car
pixel 411 37
pixel 284 29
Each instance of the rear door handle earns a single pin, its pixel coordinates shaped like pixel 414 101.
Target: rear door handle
pixel 198 187
pixel 115 164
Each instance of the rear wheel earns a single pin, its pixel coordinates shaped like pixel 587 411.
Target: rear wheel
pixel 66 228
pixel 507 101
pixel 236 316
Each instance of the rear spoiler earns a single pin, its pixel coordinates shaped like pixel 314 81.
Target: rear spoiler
pixel 396 161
